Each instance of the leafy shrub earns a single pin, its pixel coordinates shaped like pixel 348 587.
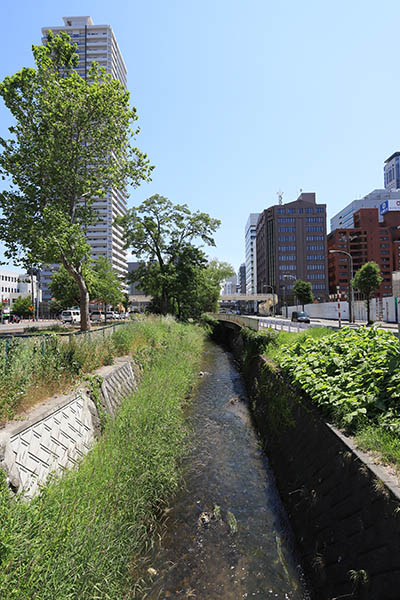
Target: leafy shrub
pixel 352 374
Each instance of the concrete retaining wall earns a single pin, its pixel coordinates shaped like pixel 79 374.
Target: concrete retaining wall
pixel 343 507
pixel 57 434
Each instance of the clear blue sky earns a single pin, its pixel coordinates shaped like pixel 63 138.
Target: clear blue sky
pixel 241 98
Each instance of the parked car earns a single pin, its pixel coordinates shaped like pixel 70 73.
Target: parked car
pixel 97 316
pixel 300 317
pixel 71 316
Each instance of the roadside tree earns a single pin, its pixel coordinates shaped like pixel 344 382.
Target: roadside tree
pixel 366 280
pixel 303 291
pixel 22 307
pixel 71 144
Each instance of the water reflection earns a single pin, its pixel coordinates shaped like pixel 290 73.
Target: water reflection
pixel 227 536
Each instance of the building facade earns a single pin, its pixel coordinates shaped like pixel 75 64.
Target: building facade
pixel 345 218
pixel 242 278
pixel 97 43
pixel 368 240
pixel 250 253
pixel 291 245
pixel 391 172
pixel 14 285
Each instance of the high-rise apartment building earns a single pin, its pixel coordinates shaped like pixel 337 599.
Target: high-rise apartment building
pixel 97 43
pixel 291 244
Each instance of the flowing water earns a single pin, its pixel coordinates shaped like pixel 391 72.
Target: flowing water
pixel 227 536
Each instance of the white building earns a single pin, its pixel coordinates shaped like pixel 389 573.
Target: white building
pixel 250 253
pixel 97 43
pixel 13 285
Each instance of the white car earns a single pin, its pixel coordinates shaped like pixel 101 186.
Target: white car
pixel 71 316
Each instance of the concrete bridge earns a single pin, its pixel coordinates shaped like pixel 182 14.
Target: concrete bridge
pixel 249 298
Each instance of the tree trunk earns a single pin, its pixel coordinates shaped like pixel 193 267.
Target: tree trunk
pixel 84 295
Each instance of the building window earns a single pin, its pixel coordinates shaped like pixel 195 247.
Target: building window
pixel 286 220
pixel 286 229
pixel 309 211
pixel 311 229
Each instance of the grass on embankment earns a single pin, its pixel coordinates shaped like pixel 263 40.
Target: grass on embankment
pixel 36 368
pixel 85 535
pixel 354 377
pixel 286 338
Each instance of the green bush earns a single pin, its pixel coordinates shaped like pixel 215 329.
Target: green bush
pixel 353 375
pixel 85 535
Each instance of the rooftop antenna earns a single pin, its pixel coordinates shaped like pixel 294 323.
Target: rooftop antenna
pixel 280 197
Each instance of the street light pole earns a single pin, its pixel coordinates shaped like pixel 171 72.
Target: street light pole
pixel 351 295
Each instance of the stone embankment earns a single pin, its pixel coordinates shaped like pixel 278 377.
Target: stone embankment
pixel 57 434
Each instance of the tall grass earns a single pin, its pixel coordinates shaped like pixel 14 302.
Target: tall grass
pixel 84 536
pixel 36 368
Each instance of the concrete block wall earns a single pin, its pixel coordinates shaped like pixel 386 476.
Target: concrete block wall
pixel 57 434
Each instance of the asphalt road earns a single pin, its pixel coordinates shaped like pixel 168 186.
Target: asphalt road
pixel 19 327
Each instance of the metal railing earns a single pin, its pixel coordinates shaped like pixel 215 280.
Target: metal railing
pixel 260 323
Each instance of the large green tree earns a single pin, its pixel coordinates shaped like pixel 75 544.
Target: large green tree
pixel 71 144
pixel 303 291
pixel 164 237
pixel 366 280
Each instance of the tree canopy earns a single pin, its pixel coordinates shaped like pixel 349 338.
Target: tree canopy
pixel 366 280
pixel 70 145
pixel 175 270
pixel 303 291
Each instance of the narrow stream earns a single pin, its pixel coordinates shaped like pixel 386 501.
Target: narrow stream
pixel 227 536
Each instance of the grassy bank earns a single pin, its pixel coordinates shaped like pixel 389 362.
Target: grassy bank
pixel 85 535
pixel 32 369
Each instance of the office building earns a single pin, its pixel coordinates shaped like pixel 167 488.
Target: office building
pixel 250 253
pixel 97 43
pixel 13 285
pixel 291 245
pixel 391 172
pixel 368 240
pixel 345 218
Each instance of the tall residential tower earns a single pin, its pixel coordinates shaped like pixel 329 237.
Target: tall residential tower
pixel 98 43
